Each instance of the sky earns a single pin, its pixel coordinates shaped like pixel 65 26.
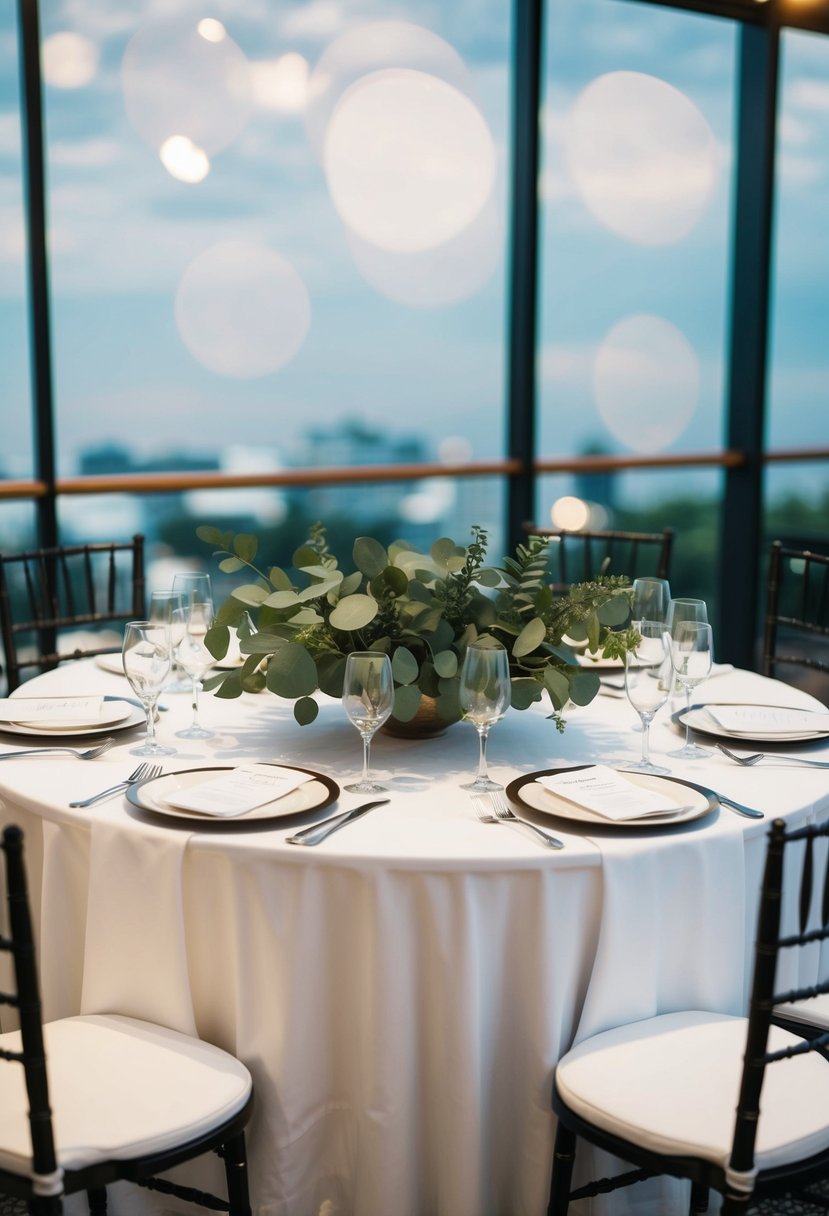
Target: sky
pixel 373 286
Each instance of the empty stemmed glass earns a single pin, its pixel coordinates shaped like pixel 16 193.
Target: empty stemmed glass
pixel 368 699
pixel 691 655
pixel 190 625
pixel 485 692
pixel 650 600
pixel 146 658
pixel 647 684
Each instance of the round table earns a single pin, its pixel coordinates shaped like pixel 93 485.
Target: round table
pixel 402 992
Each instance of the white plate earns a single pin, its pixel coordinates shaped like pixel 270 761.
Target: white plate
pixel 318 792
pixel 111 662
pixel 111 712
pixel 703 724
pixel 695 804
pixel 125 716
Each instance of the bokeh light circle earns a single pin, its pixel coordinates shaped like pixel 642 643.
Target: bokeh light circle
pixel 242 309
pixel 570 513
pixel 409 160
pixel 371 47
pixel 439 277
pixel 642 157
pixel 183 160
pixel 646 381
pixel 68 61
pixel 178 80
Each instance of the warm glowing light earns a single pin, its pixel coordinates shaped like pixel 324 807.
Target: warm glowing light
pixel 646 381
pixel 281 84
pixel 409 160
pixel 370 47
pixel 642 157
pixel 211 29
pixel 68 61
pixel 177 82
pixel 570 513
pixel 430 503
pixel 242 309
pixel 183 160
pixel 454 449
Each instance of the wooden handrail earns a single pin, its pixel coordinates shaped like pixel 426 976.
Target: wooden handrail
pixel 210 479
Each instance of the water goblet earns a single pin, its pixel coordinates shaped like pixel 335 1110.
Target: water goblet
pixel 485 692
pixel 691 655
pixel 650 600
pixel 368 699
pixel 682 610
pixel 647 684
pixel 190 625
pixel 162 604
pixel 146 658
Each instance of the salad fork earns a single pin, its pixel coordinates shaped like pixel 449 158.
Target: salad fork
pixel 144 772
pixel 89 753
pixel 505 814
pixel 755 757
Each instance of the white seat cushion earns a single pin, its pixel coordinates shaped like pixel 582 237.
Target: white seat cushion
pixel 814 1012
pixel 670 1084
pixel 119 1088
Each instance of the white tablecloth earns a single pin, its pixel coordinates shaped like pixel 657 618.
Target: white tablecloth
pixel 401 992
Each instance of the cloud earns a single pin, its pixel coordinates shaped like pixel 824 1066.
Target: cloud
pixel 808 94
pixel 86 154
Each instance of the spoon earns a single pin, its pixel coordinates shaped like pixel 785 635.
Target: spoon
pixel 749 760
pixel 89 754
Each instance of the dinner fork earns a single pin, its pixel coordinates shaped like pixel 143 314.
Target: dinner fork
pixel 144 772
pixel 755 757
pixel 89 754
pixel 505 814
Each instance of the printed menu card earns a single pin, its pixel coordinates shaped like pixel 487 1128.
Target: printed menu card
pixel 238 790
pixel 610 794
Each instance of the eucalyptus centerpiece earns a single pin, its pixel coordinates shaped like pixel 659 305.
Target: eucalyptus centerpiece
pixel 423 610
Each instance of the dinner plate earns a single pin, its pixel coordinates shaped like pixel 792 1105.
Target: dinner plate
pixel 111 662
pixel 319 792
pixel 125 717
pixel 695 800
pixel 592 662
pixel 703 724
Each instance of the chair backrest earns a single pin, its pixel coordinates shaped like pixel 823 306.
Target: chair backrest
pixel 796 632
pixel 578 557
pixel 46 592
pixel 25 997
pixel 765 1002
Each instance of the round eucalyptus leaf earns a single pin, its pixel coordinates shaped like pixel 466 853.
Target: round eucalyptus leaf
pixel 353 612
pixel 245 546
pixel 351 583
pixel 250 593
pixel 369 556
pixel 404 666
pixel 584 687
pixel 558 686
pixel 230 687
pixel 292 672
pixel 217 640
pixel 255 682
pixel 305 710
pixel 446 663
pixel 448 702
pixel 278 579
pixel 615 611
pixel 229 612
pixel 392 581
pixel 330 673
pixel 406 702
pixel 524 692
pixel 488 577
pixel 304 556
pixel 282 599
pixel 230 565
pixel 213 536
pixel 443 636
pixel 530 638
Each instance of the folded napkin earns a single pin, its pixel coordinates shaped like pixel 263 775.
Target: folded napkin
pixel 52 711
pixel 238 790
pixel 767 719
pixel 609 794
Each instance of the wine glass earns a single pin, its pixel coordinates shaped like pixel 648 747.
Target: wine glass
pixel 647 684
pixel 684 610
pixel 485 692
pixel 691 654
pixel 146 658
pixel 162 604
pixel 368 699
pixel 651 600
pixel 190 625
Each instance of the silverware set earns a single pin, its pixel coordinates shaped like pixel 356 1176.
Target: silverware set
pixel 494 808
pixel 144 772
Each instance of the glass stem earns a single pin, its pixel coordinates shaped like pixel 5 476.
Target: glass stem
pixel 196 687
pixel 366 758
pixel 646 728
pixel 149 709
pixel 687 710
pixel 483 732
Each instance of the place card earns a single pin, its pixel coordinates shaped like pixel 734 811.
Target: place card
pixel 607 793
pixel 767 719
pixel 238 790
pixel 44 711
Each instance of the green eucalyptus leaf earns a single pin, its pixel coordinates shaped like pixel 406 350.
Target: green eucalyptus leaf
pixel 354 612
pixel 530 638
pixel 231 565
pixel 250 594
pixel 392 581
pixel 330 673
pixel 229 612
pixel 305 710
pixel 419 591
pixel 351 583
pixel 213 536
pixel 455 564
pixel 304 556
pixel 282 599
pixel 214 681
pixel 404 666
pixel 489 577
pixel 443 635
pixel 483 613
pixel 524 692
pixel 316 591
pixel 594 631
pixel 278 579
pixel 428 681
pixel 615 611
pixel 444 550
pixel 577 631
pixel 261 643
pixel 448 702
pixel 245 546
pixel 584 687
pixel 369 556
pixel 406 702
pixel 558 686
pixel 255 682
pixel 217 640
pixel 231 686
pixel 292 672
pixel 446 663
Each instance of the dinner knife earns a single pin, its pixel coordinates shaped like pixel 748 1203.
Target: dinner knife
pixel 750 812
pixel 318 833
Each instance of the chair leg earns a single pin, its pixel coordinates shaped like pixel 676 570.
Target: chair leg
pixel 699 1199
pixel 41 1205
pixel 564 1156
pixel 96 1198
pixel 235 1158
pixel 735 1204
